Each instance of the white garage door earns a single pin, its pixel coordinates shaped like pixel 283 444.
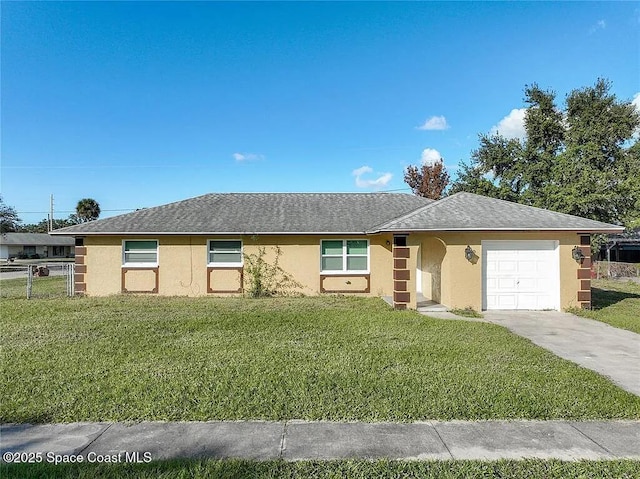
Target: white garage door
pixel 520 275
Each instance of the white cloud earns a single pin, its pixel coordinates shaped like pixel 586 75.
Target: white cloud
pixel 362 170
pixel 247 156
pixel 434 123
pixel 379 182
pixel 600 25
pixel 512 125
pixel 430 156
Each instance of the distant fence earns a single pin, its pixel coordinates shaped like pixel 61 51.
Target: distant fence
pixel 611 269
pixel 37 280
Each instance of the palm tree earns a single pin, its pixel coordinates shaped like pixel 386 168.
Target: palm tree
pixel 87 209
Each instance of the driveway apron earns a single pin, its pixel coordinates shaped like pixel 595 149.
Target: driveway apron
pixel 612 352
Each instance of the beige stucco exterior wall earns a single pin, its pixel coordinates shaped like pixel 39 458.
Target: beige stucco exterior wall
pixel 447 277
pixel 461 280
pixel 182 262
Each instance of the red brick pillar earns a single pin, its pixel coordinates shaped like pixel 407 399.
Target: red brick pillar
pixel 401 273
pixel 80 285
pixel 584 273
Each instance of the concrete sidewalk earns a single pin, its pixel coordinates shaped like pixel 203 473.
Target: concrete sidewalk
pixel 300 440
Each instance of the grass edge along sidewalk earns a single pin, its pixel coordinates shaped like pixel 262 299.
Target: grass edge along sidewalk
pixel 348 469
pixel 260 448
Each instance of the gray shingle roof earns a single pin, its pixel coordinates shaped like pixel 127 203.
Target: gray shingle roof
pixel 466 211
pixel 35 239
pixel 296 213
pixel 251 213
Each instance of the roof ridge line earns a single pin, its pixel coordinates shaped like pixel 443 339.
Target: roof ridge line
pixel 538 208
pixel 420 209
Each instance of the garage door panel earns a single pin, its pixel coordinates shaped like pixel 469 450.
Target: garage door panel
pixel 527 301
pixel 531 284
pixel 527 266
pixel 507 266
pixel 506 301
pixel 521 274
pixel 535 301
pixel 542 265
pixel 506 284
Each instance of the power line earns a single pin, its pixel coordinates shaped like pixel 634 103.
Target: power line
pixel 66 211
pixel 96 167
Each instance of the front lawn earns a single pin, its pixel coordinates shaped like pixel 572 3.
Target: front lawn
pixel 336 358
pixel 616 303
pixel 41 287
pixel 205 469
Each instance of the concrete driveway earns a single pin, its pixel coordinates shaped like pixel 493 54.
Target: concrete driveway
pixel 612 352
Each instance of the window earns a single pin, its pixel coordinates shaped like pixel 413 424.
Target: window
pixel 140 252
pixel 345 256
pixel 225 252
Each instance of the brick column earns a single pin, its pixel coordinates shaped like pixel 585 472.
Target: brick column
pixel 401 272
pixel 584 273
pixel 80 285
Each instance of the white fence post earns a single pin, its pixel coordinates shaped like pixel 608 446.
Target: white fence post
pixel 69 273
pixel 29 281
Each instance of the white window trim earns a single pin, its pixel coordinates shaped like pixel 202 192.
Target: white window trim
pixel 141 265
pixel 344 258
pixel 226 265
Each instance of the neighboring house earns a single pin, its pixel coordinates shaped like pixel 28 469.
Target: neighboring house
pixel 462 251
pixel 35 245
pixel 621 249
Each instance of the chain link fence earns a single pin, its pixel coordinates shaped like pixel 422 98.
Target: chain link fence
pixel 614 270
pixel 37 280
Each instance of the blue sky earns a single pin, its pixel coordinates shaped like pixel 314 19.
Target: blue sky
pixel 140 104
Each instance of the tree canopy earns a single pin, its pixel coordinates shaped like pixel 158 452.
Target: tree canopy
pixel 430 180
pixel 43 225
pixel 583 159
pixel 9 220
pixel 87 209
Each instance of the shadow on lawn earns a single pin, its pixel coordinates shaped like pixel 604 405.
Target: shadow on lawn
pixel 603 298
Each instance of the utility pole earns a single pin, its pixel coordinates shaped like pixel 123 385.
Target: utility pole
pixel 51 214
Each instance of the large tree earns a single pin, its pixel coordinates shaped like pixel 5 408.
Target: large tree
pixel 9 220
pixel 43 225
pixel 430 180
pixel 87 209
pixel 583 159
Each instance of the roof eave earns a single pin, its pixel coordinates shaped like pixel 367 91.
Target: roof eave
pixel 435 230
pixel 292 233
pixel 201 233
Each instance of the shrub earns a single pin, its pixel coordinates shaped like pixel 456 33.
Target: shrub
pixel 264 279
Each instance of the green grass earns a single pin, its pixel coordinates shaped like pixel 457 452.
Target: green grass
pixel 42 287
pixel 201 469
pixel 616 303
pixel 334 358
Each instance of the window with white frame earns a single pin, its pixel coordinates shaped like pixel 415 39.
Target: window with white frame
pixel 225 252
pixel 344 256
pixel 140 252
